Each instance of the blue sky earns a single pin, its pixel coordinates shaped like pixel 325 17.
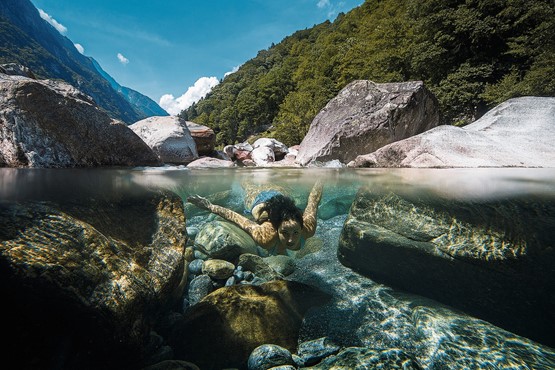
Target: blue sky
pixel 178 49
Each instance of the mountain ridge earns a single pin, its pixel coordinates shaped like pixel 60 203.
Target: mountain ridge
pixel 26 39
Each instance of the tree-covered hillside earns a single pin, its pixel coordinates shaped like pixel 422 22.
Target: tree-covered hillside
pixel 472 54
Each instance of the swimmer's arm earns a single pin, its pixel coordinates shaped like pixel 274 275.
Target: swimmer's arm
pixel 311 210
pixel 262 234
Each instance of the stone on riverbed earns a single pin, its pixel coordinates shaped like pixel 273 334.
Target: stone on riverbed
pixel 491 259
pixel 269 356
pixel 224 240
pixel 227 325
pixel 218 269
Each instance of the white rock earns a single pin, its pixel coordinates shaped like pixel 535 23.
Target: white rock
pixel 263 155
pixel 168 137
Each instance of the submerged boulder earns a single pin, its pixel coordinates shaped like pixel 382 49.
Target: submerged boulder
pixel 169 137
pixel 46 123
pixel 517 133
pixel 224 240
pixel 89 276
pixel 491 259
pixel 223 329
pixel 365 116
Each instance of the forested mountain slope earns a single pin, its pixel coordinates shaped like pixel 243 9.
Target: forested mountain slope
pixel 472 54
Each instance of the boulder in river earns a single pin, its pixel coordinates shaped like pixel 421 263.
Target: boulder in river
pixel 46 123
pixel 365 116
pixel 517 133
pixel 83 281
pixel 491 259
pixel 169 137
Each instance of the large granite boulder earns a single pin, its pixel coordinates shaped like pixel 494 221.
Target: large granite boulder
pixel 224 328
pixel 377 318
pixel 204 137
pixel 492 259
pixel 84 280
pixel 47 123
pixel 365 116
pixel 517 133
pixel 169 137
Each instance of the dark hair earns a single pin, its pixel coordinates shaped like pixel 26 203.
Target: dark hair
pixel 281 208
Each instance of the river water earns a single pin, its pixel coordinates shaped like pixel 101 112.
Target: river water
pixel 363 314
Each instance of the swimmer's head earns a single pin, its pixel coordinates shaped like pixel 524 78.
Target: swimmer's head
pixel 286 218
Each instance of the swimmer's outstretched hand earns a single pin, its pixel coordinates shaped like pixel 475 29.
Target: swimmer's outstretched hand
pixel 199 201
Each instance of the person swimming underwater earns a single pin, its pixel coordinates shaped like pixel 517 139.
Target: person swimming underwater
pixel 278 224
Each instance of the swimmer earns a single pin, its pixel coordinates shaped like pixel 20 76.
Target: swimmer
pixel 278 224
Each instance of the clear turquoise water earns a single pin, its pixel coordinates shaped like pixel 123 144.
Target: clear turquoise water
pixel 375 315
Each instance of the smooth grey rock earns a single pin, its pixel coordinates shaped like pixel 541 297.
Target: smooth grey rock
pixel 263 156
pixel 313 351
pixel 52 124
pixel 283 265
pixel 258 266
pixel 169 137
pixel 208 162
pixel 195 266
pixel 224 240
pixel 267 356
pixel 365 116
pixel 199 288
pixel 517 133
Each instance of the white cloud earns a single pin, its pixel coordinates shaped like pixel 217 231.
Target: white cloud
pixel 193 94
pixel 80 48
pixel 122 59
pixel 58 26
pixel 235 69
pixel 323 3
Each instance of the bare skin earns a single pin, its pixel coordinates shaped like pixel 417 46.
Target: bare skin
pixel 289 233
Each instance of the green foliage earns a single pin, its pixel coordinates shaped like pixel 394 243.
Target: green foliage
pixel 472 54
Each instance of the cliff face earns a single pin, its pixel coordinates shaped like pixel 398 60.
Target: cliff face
pixel 28 40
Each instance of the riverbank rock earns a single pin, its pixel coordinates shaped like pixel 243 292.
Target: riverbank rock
pixel 224 328
pixel 83 281
pixel 204 137
pixel 497 270
pixel 51 124
pixel 223 240
pixel 365 116
pixel 517 133
pixel 208 162
pixel 169 137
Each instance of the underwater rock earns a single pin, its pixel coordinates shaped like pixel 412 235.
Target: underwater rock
pixel 259 266
pixel 368 358
pixel 269 356
pixel 335 206
pixel 312 245
pixel 491 259
pixel 199 288
pixel 227 325
pixel 516 133
pixel 365 116
pixel 105 266
pixel 169 137
pixel 224 240
pixel 281 264
pixel 218 269
pixel 313 351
